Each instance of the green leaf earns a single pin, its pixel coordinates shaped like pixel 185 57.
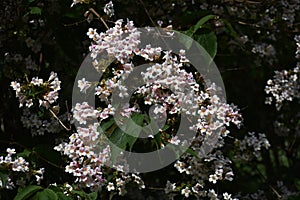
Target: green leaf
pixel 118 137
pixel 92 196
pixel 27 192
pixel 209 42
pixel 185 38
pixel 25 153
pixel 80 193
pixel 3 178
pixel 46 194
pixel 133 129
pixel 165 127
pixel 106 125
pixel 62 196
pixel 201 22
pixel 192 152
pixel 35 10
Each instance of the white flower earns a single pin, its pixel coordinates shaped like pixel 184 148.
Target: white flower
pixel 109 9
pixel 110 186
pixel 212 194
pixel 227 196
pixel 170 187
pixel 186 192
pixel 213 178
pixel 91 33
pixel 83 85
pixel 10 151
pixel 175 140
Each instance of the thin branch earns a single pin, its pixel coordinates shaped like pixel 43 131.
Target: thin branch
pixel 99 17
pixel 154 188
pixel 60 122
pixel 75 23
pixel 148 14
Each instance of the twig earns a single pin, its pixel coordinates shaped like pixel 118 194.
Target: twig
pixel 75 23
pixel 99 17
pixel 154 188
pixel 147 13
pixel 60 122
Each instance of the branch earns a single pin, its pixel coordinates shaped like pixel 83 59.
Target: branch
pixel 60 122
pixel 99 17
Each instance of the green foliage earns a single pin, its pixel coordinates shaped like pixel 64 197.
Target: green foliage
pixel 45 194
pixel 207 39
pixel 35 10
pixel 28 192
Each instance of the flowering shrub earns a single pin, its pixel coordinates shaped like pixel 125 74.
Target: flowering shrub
pixel 87 150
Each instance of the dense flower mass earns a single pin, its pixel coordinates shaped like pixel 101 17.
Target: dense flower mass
pixel 89 151
pixel 186 97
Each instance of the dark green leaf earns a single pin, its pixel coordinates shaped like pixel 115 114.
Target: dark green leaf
pixel 92 196
pixel 185 38
pixel 62 196
pixel 208 42
pixel 25 153
pixel 229 28
pixel 3 177
pixel 201 22
pixel 133 129
pixel 35 10
pixel 80 193
pixel 46 194
pixel 27 192
pixel 106 125
pixel 118 137
pixel 192 152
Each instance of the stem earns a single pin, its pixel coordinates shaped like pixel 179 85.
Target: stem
pixel 60 122
pixel 99 17
pixel 148 14
pixel 154 188
pixel 75 23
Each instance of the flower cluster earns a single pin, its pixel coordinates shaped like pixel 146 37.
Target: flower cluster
pixel 114 41
pixel 15 165
pixel 86 157
pixel 169 74
pixel 251 146
pixel 169 84
pixel 38 125
pixel 284 86
pixel 45 93
pixel 118 184
pixel 89 154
